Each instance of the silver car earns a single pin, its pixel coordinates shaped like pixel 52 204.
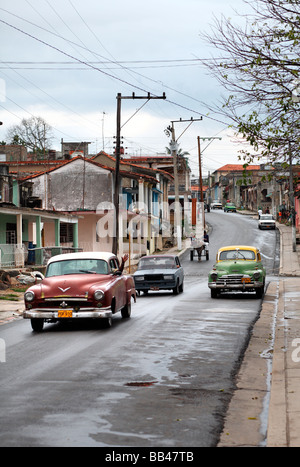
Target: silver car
pixel 266 221
pixel 159 272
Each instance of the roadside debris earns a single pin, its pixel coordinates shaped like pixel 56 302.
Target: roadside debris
pixel 14 278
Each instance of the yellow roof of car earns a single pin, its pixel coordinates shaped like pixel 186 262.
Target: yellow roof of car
pixel 239 247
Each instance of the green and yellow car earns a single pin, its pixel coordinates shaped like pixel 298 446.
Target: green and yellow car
pixel 237 268
pixel 230 207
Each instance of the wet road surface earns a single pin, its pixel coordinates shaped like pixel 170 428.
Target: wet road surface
pixel 164 378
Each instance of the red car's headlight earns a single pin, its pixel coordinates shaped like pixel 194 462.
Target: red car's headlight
pixel 29 296
pixel 98 294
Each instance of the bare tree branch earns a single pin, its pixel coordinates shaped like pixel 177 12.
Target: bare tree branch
pixel 259 64
pixel 34 133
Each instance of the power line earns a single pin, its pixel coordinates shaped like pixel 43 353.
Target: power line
pixel 186 61
pixel 92 66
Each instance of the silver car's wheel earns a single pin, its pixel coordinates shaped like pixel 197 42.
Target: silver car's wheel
pixel 176 289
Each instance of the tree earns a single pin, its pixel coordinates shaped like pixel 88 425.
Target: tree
pixel 258 67
pixel 34 133
pixel 181 154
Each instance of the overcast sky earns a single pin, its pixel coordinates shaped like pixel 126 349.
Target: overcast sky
pixel 67 60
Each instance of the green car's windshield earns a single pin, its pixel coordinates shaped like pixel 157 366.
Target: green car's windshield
pixel 77 266
pixel 229 255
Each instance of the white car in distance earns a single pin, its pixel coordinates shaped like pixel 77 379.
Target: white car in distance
pixel 266 221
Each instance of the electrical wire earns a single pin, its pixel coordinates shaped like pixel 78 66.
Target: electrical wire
pixel 92 66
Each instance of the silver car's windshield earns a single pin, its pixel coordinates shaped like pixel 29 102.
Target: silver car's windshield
pixel 229 255
pixel 157 263
pixel 77 266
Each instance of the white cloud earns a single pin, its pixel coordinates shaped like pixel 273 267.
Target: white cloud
pixel 144 37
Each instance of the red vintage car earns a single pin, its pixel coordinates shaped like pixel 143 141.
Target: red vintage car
pixel 80 285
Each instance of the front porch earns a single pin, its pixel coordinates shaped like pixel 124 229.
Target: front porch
pixel 24 232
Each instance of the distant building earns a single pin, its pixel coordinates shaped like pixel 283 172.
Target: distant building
pixel 69 150
pixel 13 152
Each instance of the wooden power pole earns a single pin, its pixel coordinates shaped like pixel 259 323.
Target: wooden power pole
pixel 115 245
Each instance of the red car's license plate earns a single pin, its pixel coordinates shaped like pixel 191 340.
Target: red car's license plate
pixel 65 313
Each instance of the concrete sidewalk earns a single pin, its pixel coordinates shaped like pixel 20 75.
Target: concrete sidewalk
pixel 265 408
pixel 284 409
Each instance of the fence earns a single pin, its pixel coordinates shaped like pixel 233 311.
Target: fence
pixel 40 256
pixel 17 256
pixel 12 255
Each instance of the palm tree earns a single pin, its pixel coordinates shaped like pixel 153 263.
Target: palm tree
pixel 180 153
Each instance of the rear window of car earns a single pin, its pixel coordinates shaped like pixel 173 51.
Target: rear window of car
pixel 229 255
pixel 77 266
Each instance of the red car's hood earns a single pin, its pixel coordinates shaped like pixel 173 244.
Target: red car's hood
pixel 72 285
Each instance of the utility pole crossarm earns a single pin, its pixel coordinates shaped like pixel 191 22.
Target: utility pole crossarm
pixel 191 120
pixel 133 96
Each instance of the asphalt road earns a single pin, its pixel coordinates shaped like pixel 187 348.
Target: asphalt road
pixel 163 378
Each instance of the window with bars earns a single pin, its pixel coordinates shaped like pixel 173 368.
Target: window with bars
pixel 11 234
pixel 66 233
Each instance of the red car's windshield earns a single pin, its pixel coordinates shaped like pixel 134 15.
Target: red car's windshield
pixel 77 266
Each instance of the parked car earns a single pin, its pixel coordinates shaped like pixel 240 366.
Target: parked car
pixel 159 272
pixel 216 204
pixel 266 221
pixel 230 207
pixel 237 268
pixel 80 286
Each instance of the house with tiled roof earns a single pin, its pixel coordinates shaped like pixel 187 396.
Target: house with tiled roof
pixel 23 224
pixel 244 185
pixel 164 163
pixel 138 189
pixel 84 187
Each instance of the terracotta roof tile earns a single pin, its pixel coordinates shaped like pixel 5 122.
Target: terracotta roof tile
pixel 232 167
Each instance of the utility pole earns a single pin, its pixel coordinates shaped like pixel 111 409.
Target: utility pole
pixel 210 139
pixel 292 200
pixel 201 184
pixel 177 215
pixel 296 99
pixel 117 165
pixel 174 148
pixel 103 113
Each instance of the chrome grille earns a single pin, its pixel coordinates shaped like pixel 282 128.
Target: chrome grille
pixel 65 302
pixel 154 277
pixel 232 279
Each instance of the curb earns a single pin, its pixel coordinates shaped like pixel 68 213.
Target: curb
pixel 277 428
pixel 245 423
